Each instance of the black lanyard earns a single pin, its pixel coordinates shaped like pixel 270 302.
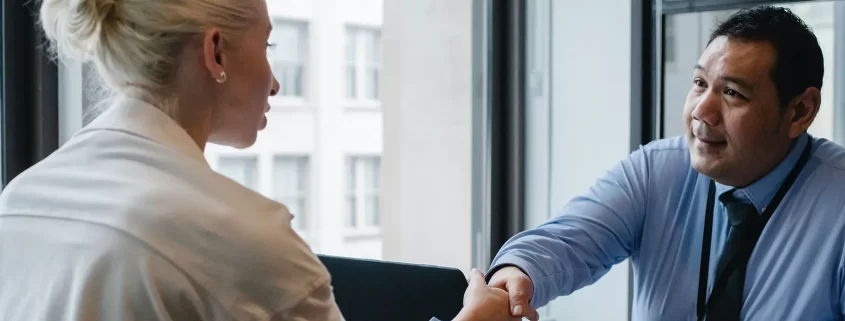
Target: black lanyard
pixel 720 282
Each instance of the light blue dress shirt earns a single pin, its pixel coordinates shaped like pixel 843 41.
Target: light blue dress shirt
pixel 651 207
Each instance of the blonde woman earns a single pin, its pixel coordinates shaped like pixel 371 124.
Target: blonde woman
pixel 127 221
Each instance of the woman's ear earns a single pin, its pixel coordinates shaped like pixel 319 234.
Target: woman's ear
pixel 212 52
pixel 805 107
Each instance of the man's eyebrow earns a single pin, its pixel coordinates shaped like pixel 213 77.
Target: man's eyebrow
pixel 734 79
pixel 737 80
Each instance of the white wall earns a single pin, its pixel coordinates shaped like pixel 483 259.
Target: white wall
pixel 427 131
pixel 589 127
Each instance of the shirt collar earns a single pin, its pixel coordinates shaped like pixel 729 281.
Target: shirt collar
pixel 761 192
pixel 145 120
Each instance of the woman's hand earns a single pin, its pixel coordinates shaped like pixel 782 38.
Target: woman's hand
pixel 483 303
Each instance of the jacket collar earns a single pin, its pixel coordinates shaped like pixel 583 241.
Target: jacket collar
pixel 142 119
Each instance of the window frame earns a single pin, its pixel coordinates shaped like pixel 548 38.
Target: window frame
pixel 304 29
pixel 360 193
pixel 257 177
pixel 29 90
pixel 302 221
pixel 362 65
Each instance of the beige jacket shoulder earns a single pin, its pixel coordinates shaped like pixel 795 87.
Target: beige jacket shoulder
pixel 127 221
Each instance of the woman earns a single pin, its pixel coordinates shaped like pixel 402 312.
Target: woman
pixel 127 221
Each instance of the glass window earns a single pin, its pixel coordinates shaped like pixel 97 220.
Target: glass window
pixel 575 129
pixel 362 183
pixel 289 42
pixel 290 187
pixel 688 37
pixel 363 61
pixel 351 64
pixel 243 170
pixel 328 56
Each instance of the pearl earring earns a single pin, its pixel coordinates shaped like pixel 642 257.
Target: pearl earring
pixel 222 77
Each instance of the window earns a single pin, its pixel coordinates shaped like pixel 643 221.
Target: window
pixel 328 55
pixel 669 41
pixel 362 193
pixel 290 187
pixel 288 56
pixel 240 169
pixel 363 63
pixel 556 124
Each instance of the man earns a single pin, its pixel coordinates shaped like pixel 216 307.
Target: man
pixel 747 194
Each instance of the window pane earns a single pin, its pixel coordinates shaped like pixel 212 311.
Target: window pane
pixel 351 211
pixel 372 56
pixel 372 209
pixel 351 192
pixel 324 57
pixel 290 187
pixel 351 81
pixel 240 169
pixel 287 56
pixel 372 83
pixel 568 146
pixel 351 62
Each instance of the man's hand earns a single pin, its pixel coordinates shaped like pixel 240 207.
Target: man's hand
pixel 483 303
pixel 519 288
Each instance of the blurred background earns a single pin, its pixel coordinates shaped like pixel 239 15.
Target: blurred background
pixel 430 131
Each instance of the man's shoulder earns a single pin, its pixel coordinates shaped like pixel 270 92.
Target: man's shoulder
pixel 830 154
pixel 675 143
pixel 671 151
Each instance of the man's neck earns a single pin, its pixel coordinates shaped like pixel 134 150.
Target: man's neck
pixel 753 176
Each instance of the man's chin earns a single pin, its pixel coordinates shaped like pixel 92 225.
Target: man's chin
pixel 705 165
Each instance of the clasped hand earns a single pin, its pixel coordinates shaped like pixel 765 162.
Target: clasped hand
pixel 505 299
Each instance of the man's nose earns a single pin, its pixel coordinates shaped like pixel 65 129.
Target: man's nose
pixel 708 108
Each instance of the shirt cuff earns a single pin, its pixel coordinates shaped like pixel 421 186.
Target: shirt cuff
pixel 526 267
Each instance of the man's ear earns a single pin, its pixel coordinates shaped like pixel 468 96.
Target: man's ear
pixel 212 52
pixel 803 112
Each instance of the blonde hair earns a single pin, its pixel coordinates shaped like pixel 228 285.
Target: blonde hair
pixel 135 44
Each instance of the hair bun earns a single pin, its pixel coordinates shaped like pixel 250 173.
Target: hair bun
pixel 74 26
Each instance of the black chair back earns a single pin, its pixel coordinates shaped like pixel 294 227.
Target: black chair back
pixel 369 290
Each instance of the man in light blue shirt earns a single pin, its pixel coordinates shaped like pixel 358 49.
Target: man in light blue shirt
pixel 681 203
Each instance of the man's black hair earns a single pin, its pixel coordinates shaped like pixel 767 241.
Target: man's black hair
pixel 799 63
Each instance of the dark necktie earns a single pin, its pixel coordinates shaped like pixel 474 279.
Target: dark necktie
pixel 725 303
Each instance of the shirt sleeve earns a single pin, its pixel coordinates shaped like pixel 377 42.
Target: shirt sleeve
pixel 593 232
pixel 319 305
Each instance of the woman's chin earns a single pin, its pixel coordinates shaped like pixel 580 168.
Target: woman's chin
pixel 263 123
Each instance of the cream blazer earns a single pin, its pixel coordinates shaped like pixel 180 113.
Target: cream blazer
pixel 127 221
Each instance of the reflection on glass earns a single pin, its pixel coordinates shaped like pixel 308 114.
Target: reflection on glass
pixel 687 34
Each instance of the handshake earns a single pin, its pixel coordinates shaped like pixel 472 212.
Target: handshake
pixel 505 299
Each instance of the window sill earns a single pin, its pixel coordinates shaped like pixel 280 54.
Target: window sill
pixel 363 105
pixel 362 234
